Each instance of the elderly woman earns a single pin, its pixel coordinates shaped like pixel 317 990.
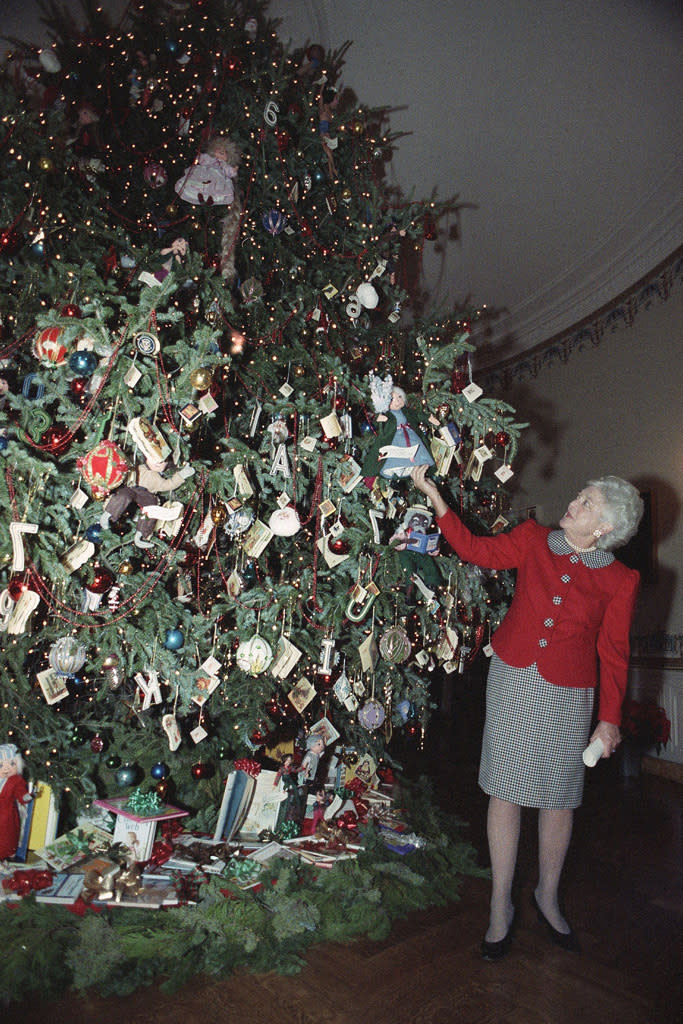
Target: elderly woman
pixel 572 601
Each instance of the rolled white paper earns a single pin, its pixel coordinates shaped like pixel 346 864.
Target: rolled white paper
pixel 593 753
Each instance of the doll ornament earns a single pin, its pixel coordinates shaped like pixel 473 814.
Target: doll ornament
pixel 14 795
pixel 399 444
pixel 210 181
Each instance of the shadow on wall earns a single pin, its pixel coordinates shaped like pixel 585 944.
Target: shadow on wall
pixel 541 442
pixel 660 521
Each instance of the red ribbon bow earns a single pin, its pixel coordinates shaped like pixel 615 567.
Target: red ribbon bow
pixel 244 764
pixel 24 882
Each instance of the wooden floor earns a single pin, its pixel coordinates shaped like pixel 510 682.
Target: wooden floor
pixel 623 895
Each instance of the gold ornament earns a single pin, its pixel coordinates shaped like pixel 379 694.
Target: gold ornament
pixel 46 164
pixel 219 514
pixel 201 378
pixel 111 661
pixel 126 569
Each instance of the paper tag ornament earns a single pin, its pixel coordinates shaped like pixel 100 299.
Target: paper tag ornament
pixel 286 657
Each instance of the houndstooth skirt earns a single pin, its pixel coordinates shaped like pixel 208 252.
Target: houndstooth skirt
pixel 534 736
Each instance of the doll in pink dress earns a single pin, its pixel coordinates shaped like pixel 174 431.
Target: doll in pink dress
pixel 14 794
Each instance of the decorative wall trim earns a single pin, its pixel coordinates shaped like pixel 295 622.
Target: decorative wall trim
pixel 655 288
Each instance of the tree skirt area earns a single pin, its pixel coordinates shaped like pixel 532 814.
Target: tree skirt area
pixel 227 924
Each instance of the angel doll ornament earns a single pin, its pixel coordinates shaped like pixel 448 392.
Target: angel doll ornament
pixel 399 444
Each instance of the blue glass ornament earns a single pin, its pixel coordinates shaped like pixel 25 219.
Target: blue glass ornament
pixel 274 222
pixel 4 442
pixel 174 639
pixel 94 533
pixel 404 708
pixel 83 362
pixel 159 770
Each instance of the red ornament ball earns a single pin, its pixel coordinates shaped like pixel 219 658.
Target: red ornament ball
pixel 338 545
pixel 16 587
pixel 101 582
pixel 201 770
pixel 78 387
pixel 97 744
pixel 71 310
pixel 502 439
pixel 57 439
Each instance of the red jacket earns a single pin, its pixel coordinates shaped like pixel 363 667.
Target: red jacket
pixel 564 614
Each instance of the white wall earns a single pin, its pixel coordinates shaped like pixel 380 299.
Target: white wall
pixel 618 408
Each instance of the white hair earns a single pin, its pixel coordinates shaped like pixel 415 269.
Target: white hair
pixel 623 509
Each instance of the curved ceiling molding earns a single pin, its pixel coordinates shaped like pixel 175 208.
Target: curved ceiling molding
pixel 625 255
pixel 655 287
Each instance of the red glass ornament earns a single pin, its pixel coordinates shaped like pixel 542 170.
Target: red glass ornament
pixel 259 734
pixel 56 439
pixel 97 744
pixel 502 439
pixel 201 770
pixel 78 386
pixel 338 545
pixel 101 582
pixel 16 587
pixel 71 310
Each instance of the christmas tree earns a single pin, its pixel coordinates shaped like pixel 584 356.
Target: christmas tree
pixel 211 324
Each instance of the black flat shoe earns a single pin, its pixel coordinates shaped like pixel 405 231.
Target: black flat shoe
pixel 496 950
pixel 566 940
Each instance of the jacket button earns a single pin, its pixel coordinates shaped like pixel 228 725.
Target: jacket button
pixel 549 623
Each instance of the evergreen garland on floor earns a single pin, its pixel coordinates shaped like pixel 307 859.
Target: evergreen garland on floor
pixel 49 949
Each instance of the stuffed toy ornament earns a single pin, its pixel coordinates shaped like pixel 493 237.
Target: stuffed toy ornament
pixel 210 181
pixel 14 795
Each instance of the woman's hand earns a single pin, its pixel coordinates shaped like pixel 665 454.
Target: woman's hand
pixel 610 735
pixel 428 487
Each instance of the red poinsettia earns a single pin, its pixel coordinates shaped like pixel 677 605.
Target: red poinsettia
pixel 645 723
